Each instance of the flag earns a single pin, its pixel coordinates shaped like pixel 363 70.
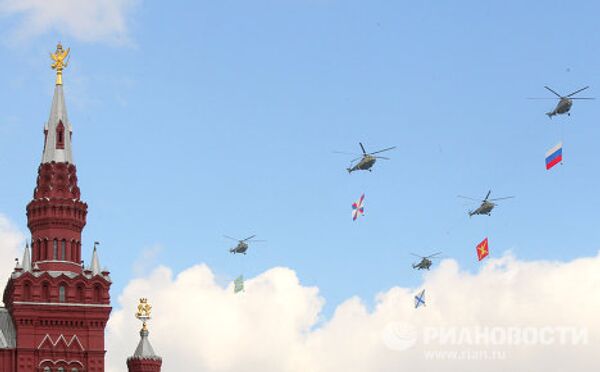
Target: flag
pixel 420 299
pixel 357 208
pixel 238 284
pixel 554 156
pixel 483 249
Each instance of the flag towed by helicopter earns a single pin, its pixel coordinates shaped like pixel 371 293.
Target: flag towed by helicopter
pixel 238 284
pixel 483 249
pixel 554 156
pixel 357 208
pixel 420 299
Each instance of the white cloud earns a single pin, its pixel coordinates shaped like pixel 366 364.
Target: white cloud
pixel 86 20
pixel 276 324
pixel 11 247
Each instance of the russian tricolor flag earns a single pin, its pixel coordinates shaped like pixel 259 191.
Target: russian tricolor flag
pixel 554 156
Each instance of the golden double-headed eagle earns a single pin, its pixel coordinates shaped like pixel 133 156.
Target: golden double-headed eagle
pixel 144 309
pixel 61 60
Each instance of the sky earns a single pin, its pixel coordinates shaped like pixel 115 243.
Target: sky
pixel 193 120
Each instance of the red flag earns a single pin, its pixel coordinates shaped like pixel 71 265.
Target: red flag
pixel 482 249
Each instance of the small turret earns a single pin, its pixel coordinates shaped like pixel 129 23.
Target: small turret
pixel 144 358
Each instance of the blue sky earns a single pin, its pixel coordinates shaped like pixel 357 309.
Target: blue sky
pixel 222 118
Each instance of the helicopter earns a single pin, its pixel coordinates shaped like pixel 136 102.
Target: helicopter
pixel 565 102
pixel 242 245
pixel 367 159
pixel 486 204
pixel 425 261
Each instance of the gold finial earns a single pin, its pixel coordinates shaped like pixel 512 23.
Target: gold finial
pixel 59 61
pixel 143 312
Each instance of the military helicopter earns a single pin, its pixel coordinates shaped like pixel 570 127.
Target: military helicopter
pixel 425 261
pixel 242 245
pixel 367 159
pixel 564 103
pixel 486 204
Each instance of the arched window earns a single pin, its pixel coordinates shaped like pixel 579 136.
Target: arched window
pixel 55 250
pixel 60 136
pixel 61 293
pixel 63 250
pixel 80 297
pixel 97 293
pixel 27 291
pixel 45 292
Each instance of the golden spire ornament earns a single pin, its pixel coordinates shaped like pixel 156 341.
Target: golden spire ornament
pixel 143 312
pixel 61 60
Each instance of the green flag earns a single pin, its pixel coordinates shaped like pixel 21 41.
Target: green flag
pixel 238 284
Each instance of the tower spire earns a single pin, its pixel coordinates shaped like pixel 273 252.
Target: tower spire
pixel 26 264
pixel 58 130
pixel 95 265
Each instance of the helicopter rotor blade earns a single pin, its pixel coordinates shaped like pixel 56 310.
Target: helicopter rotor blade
pixel 388 149
pixel 248 238
pixel 466 197
pixel 362 148
pixel 505 197
pixel 345 153
pixel 550 89
pixel 488 195
pixel 577 91
pixel 229 237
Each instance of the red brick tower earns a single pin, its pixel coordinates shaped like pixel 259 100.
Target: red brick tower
pixel 57 308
